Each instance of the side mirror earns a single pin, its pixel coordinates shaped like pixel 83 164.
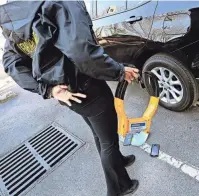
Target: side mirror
pixel 177 24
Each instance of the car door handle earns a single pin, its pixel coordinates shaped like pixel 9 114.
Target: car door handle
pixel 134 19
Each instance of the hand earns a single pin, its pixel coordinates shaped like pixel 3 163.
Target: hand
pixel 61 93
pixel 131 74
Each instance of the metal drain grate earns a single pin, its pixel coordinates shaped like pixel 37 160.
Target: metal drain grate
pixel 21 169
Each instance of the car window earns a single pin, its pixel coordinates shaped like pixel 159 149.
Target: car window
pixel 91 7
pixel 102 8
pixel 88 5
pixel 105 8
pixel 134 4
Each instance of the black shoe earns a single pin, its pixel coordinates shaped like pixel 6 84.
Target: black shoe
pixel 129 160
pixel 132 189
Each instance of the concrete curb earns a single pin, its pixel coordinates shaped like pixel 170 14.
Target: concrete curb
pixel 6 83
pixel 7 96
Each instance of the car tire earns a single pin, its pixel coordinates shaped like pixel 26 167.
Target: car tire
pixel 178 87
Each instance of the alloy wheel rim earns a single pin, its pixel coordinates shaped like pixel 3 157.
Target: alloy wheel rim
pixel 171 89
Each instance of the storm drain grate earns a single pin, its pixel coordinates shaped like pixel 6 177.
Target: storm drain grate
pixel 21 169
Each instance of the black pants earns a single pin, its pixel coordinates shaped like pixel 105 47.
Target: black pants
pixel 99 113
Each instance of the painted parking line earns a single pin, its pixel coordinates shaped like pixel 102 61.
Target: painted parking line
pixel 187 169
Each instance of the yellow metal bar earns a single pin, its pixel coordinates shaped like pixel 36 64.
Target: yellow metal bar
pixel 122 117
pixel 124 122
pixel 152 107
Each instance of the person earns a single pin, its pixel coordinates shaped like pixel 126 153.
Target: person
pixel 51 50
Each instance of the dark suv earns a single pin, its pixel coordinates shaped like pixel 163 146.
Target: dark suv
pixel 157 36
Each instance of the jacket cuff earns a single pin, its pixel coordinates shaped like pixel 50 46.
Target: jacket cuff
pixel 45 90
pixel 121 74
pixel 49 92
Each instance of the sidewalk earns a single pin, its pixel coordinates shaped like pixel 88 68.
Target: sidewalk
pixel 81 174
pixel 3 75
pixel 6 83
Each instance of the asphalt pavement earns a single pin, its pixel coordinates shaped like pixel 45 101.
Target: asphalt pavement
pixel 81 174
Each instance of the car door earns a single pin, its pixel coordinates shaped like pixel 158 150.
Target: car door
pixel 122 27
pixel 176 29
pixel 173 19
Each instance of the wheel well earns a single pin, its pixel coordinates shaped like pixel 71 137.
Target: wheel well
pixel 145 55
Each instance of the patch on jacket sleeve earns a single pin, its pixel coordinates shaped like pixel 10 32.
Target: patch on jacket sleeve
pixel 28 47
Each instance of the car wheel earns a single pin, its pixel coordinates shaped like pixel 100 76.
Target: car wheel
pixel 178 87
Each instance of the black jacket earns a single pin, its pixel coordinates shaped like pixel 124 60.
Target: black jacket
pixel 52 42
